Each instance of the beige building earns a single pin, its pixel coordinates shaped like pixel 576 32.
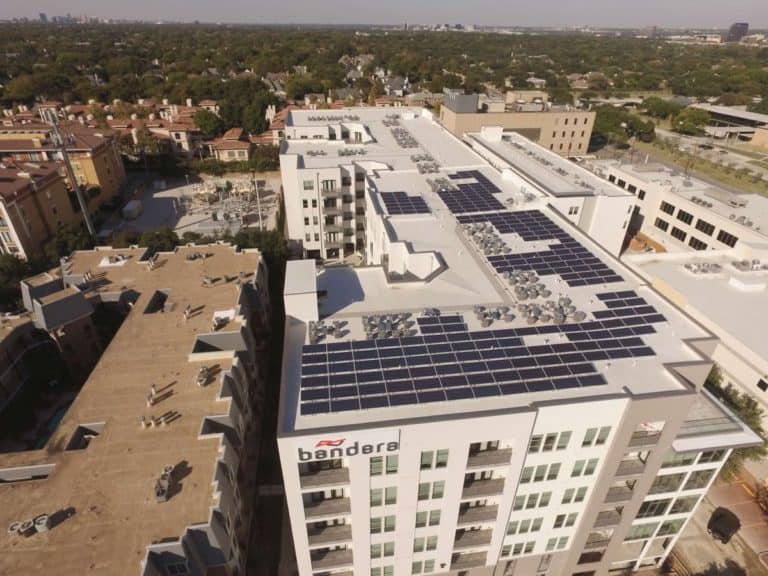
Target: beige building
pixel 34 203
pixel 150 471
pixel 94 154
pixel 564 130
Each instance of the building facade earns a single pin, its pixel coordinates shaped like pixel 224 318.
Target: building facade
pixel 462 403
pixel 34 204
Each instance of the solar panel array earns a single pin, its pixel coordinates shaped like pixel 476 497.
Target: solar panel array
pixel 566 256
pixel 399 203
pixel 475 196
pixel 456 363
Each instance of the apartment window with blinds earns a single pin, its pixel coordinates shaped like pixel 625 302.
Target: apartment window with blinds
pixel 679 234
pixel 661 224
pixel 727 239
pixel 667 208
pixel 697 244
pixel 704 226
pixel 684 216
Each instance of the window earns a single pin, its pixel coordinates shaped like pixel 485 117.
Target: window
pixel 390 495
pixel 307 236
pixel 580 493
pixel 641 194
pixel 563 439
pixel 541 472
pixel 573 210
pixel 641 531
pixel 506 550
pixel 578 468
pixel 549 442
pixel 435 489
pixel 698 479
pixel 529 547
pixel 697 244
pixel 533 500
pixel 309 185
pixel 418 544
pixel 591 466
pixel 621 183
pixel 518 503
pixel 559 521
pixel 653 508
pixel 525 478
pixel 727 239
pixel 545 498
pixel 551 543
pixel 602 436
pixel 377 466
pixel 441 459
pixel 375 550
pixel 328 185
pixel 176 569
pixel 671 527
pixel 711 456
pixel 317 237
pixel 554 470
pixel 704 226
pixel 426 460
pixel 305 203
pixel 431 542
pixel 392 464
pixel 346 181
pixel 679 459
pixel 589 437
pixel 611 178
pixel 315 221
pixel 376 496
pixel 525 525
pixel 684 216
pixel 376 525
pixel 667 208
pixel 661 224
pixel 421 517
pixel 429 566
pixel 568 496
pixel 631 188
pixel 666 483
pixel 434 517
pixel 679 234
pixel 314 203
pixel 762 385
pixel 512 527
pixel 535 444
pixel 306 221
pixel 684 504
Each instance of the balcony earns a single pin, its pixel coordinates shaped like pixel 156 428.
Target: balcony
pixel 618 494
pixel 330 508
pixel 644 439
pixel 325 478
pixel 330 535
pixel 480 488
pixel 477 515
pixel 330 192
pixel 332 227
pixel 465 561
pixel 331 210
pixel 489 458
pixel 607 519
pixel 325 560
pixel 596 540
pixel 472 539
pixel 634 467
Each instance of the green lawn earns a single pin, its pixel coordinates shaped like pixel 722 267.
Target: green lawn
pixel 704 168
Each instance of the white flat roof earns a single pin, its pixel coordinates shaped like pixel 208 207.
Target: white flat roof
pixel 556 175
pixel 300 277
pixel 684 186
pixel 733 111
pixel 468 278
pixel 731 303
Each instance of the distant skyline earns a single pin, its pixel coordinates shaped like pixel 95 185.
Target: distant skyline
pixel 601 13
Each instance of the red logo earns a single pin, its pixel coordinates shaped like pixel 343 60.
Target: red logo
pixel 331 443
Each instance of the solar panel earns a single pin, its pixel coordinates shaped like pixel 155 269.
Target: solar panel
pixel 400 203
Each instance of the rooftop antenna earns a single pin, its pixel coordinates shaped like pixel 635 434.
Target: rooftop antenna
pixel 49 116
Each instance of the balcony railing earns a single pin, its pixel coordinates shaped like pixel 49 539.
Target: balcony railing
pixel 632 467
pixel 464 561
pixel 596 541
pixel 478 514
pixel 640 439
pixel 618 494
pixel 330 535
pixel 489 458
pixel 332 559
pixel 472 539
pixel 330 507
pixel 480 488
pixel 607 518
pixel 330 192
pixel 331 210
pixel 322 478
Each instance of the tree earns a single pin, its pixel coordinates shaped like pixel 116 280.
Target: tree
pixel 160 240
pixel 691 121
pixel 659 108
pixel 750 413
pixel 67 239
pixel 12 271
pixel 209 123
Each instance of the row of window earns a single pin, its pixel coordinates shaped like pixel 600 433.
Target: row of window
pixel 631 188
pixel 701 225
pixel 573 134
pixel 420 544
pixel 381 524
pixel 423 567
pixel 681 505
pixel 643 531
pixel 534 500
pixel 524 526
pixel 549 442
pixel 384 496
pixel 377 465
pixel 691 457
pixel 431 490
pixel 672 482
pixel 540 473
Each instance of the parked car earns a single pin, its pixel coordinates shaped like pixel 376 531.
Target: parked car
pixel 723 524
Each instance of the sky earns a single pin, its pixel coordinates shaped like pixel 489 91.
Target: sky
pixel 614 13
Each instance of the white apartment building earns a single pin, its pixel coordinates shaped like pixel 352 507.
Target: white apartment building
pixel 490 392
